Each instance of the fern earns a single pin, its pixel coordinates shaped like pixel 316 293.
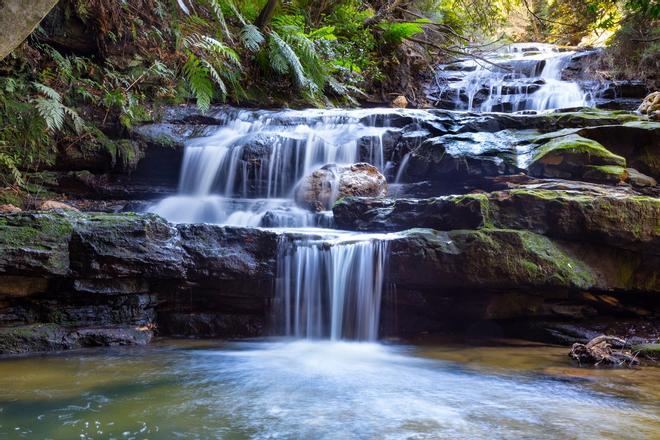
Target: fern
pixel 395 33
pixel 51 109
pixel 217 9
pixel 199 81
pixel 52 112
pixel 215 76
pixel 285 60
pixel 251 37
pixel 47 91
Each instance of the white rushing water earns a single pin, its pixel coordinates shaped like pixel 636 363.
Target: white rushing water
pixel 331 288
pixel 329 283
pixel 522 76
pixel 244 173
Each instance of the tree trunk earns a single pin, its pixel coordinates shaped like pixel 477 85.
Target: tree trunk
pixel 266 14
pixel 18 18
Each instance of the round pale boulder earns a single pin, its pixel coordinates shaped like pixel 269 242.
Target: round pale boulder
pixel 10 209
pixel 320 190
pixel 50 205
pixel 400 102
pixel 651 106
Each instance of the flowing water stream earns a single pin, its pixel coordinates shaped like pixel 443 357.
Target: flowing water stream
pixel 523 76
pixel 329 378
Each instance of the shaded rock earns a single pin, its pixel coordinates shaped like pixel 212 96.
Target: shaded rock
pixel 17 286
pixel 35 244
pixel 499 259
pixel 50 337
pixel 126 245
pixel 605 173
pixel 640 180
pixel 223 253
pixel 621 220
pixel 442 213
pixel 636 141
pixel 320 190
pixel 573 156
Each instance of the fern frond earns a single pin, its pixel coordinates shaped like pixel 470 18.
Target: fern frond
pixel 217 9
pixel 183 7
pixel 251 37
pixel 199 82
pixel 213 45
pixel 215 76
pixel 283 53
pixel 47 91
pixel 51 111
pixel 236 12
pixel 78 123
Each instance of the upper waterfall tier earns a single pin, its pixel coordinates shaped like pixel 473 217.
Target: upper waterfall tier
pixel 523 76
pixel 244 170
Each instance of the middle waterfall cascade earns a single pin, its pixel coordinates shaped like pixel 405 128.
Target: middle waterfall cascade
pixel 331 288
pixel 522 76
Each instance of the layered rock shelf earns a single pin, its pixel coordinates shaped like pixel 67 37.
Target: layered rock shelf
pixel 544 226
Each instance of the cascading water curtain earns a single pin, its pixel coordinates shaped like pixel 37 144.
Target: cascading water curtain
pixel 330 289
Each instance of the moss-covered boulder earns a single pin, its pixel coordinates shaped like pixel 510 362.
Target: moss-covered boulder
pixel 637 141
pixel 574 157
pixel 489 258
pixel 35 243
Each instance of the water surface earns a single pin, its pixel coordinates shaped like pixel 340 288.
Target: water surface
pixel 299 389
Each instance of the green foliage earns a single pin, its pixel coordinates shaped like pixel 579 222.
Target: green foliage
pixel 395 33
pixel 199 80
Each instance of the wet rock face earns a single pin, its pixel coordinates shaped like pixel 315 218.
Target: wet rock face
pixel 69 280
pixel 320 190
pixel 597 214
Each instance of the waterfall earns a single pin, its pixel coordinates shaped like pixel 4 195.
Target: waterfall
pixel 522 76
pixel 330 288
pixel 245 172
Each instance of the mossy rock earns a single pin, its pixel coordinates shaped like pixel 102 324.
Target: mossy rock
pixel 569 156
pixel 35 243
pixel 651 351
pixel 605 173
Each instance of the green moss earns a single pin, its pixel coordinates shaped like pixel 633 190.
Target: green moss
pixel 574 145
pixel 564 268
pixel 605 173
pixel 36 231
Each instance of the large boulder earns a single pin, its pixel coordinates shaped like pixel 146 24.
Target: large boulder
pixel 575 157
pixel 320 190
pixel 651 106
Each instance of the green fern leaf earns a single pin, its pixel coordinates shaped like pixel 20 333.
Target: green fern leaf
pixel 251 37
pixel 51 111
pixel 47 92
pixel 217 9
pixel 282 52
pixel 215 76
pixel 78 123
pixel 199 82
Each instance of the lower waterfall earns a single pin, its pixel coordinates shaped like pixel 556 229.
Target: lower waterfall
pixel 330 288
